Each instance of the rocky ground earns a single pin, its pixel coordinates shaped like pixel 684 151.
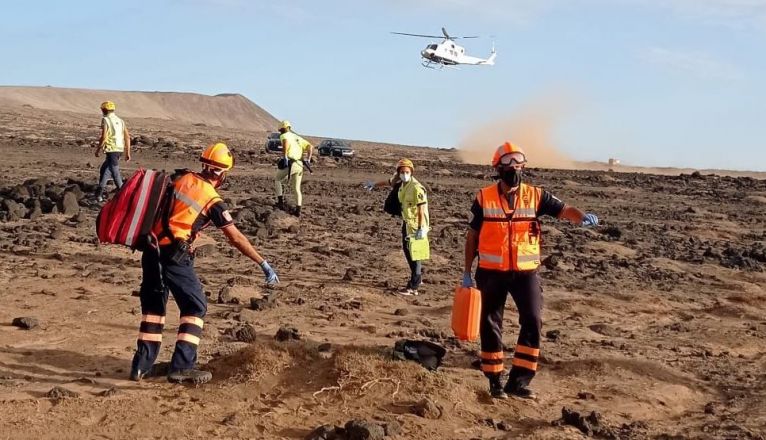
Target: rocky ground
pixel 654 321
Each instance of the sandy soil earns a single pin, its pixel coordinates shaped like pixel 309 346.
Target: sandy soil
pixel 654 320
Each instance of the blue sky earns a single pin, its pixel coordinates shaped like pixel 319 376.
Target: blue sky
pixel 652 82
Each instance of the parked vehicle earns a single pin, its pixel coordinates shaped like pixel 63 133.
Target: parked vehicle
pixel 335 148
pixel 273 144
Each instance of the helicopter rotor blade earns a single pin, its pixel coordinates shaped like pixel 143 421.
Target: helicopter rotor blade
pixel 417 35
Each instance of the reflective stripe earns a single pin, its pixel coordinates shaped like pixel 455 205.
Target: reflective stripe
pixel 527 350
pixel 152 337
pixel 189 201
pixel 492 355
pixel 188 338
pixel 525 212
pixel 142 195
pixel 527 258
pixel 524 364
pixel 192 320
pixel 491 258
pixel 493 212
pixel 492 368
pixel 154 319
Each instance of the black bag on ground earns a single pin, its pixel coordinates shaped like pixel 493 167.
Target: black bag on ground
pixel 392 204
pixel 426 353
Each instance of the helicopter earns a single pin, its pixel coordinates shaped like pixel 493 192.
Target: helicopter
pixel 447 53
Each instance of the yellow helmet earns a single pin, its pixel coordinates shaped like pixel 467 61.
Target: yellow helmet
pixel 285 124
pixel 405 163
pixel 217 156
pixel 108 106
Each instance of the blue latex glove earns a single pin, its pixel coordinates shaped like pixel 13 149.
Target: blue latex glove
pixel 467 280
pixel 420 234
pixel 271 276
pixel 590 220
pixel 369 185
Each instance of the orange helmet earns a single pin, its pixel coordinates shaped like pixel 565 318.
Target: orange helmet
pixel 217 156
pixel 405 163
pixel 513 153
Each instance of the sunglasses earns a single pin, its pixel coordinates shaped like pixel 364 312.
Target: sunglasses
pixel 511 158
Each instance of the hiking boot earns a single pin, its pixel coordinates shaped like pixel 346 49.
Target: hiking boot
pixel 520 391
pixel 190 375
pixel 281 204
pixel 297 211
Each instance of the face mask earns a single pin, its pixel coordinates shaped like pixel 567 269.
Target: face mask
pixel 511 176
pixel 405 177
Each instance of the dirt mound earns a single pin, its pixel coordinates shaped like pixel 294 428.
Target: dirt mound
pixel 225 110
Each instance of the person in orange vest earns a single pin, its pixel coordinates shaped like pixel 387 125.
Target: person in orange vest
pixel 505 233
pixel 195 204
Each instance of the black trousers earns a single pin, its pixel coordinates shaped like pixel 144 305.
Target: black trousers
pixel 526 292
pixel 162 276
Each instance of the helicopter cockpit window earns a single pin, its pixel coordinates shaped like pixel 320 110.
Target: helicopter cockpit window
pixel 432 46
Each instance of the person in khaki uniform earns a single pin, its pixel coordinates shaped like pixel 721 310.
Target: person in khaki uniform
pixel 415 219
pixel 291 166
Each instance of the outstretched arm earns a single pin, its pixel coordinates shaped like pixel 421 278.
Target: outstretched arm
pixel 241 243
pixel 572 214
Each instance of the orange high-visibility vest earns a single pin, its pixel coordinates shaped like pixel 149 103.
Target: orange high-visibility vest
pixel 509 239
pixel 192 196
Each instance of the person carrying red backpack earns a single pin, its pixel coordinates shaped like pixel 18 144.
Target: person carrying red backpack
pixel 193 205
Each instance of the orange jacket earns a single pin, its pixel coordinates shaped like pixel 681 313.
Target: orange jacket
pixel 509 239
pixel 192 196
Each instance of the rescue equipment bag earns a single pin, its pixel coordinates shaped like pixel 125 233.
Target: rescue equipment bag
pixel 128 218
pixel 466 313
pixel 392 204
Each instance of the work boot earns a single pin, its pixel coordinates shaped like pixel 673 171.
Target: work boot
pixel 407 292
pixel 496 388
pixel 280 203
pixel 519 391
pixel 191 375
pixel 297 211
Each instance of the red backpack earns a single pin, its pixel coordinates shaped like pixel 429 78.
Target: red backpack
pixel 129 217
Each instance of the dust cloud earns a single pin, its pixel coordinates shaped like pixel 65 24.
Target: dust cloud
pixel 531 128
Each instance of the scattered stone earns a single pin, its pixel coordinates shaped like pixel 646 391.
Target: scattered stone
pixel 286 333
pixel 710 408
pixel 590 425
pixel 392 428
pixel 351 274
pixel 68 205
pixel 58 393
pixel 427 409
pixel 326 432
pixel 612 231
pixel 224 295
pixel 26 323
pixel 364 430
pixel 553 335
pixel 243 333
pixel 586 395
pixel 230 420
pixel 113 391
pixel 262 303
pixel 401 312
pixel 205 250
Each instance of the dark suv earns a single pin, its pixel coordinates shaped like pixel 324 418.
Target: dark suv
pixel 335 148
pixel 273 144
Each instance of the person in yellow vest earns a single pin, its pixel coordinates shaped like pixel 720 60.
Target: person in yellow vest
pixel 195 204
pixel 505 233
pixel 114 140
pixel 413 199
pixel 290 166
